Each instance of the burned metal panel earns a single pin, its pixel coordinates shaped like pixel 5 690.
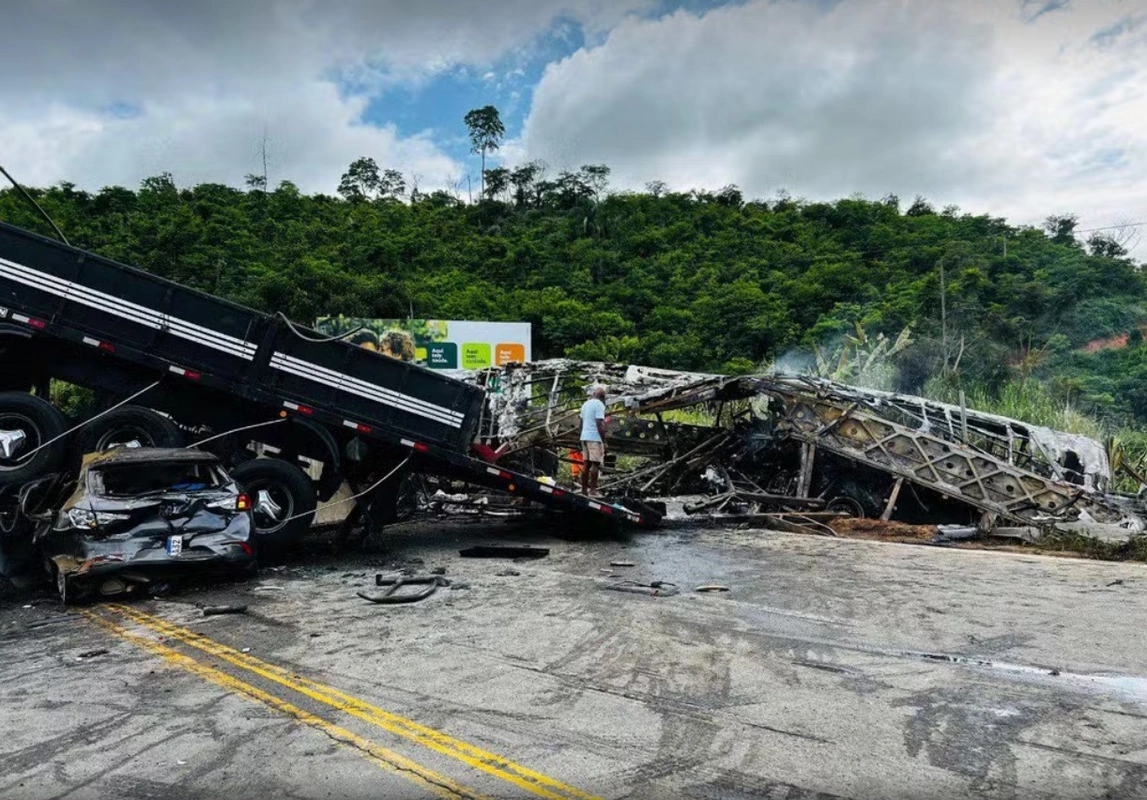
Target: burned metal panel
pixel 1009 469
pixel 950 468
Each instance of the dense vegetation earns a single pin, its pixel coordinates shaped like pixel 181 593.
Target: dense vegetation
pixel 697 281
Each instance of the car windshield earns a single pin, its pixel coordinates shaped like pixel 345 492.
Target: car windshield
pixel 128 480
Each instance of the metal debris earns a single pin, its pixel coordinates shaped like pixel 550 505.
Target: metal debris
pixel 504 551
pixel 236 608
pixel 393 594
pixel 795 452
pixel 654 589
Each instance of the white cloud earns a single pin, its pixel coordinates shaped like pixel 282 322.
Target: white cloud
pixel 206 78
pixel 1020 109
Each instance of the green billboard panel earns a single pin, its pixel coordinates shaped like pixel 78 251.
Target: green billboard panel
pixel 475 355
pixel 442 355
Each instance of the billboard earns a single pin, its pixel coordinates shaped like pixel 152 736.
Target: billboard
pixel 437 343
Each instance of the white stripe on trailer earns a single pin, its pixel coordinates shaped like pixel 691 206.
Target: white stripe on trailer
pixel 141 315
pixel 388 395
pixel 21 318
pixel 406 442
pixel 364 385
pixel 401 407
pixel 92 342
pixel 595 506
pixel 545 487
pixel 344 383
pixel 493 471
pixel 127 310
pixel 290 405
pixel 177 370
pixel 58 285
pixel 350 424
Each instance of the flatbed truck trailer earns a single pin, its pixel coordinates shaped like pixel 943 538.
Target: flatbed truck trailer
pixel 197 366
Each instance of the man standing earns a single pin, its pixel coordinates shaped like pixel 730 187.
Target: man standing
pixel 592 439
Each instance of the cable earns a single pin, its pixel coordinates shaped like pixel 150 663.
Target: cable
pixel 235 430
pixel 378 483
pixel 1112 227
pixel 32 200
pixel 31 453
pixel 303 336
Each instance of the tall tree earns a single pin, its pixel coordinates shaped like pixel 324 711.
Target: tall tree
pixel 486 134
pixel 361 180
pixel 392 184
pixel 1061 228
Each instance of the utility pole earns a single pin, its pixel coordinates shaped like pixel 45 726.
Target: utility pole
pixel 264 149
pixel 943 318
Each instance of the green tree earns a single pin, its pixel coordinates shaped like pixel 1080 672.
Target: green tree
pixel 486 133
pixel 497 181
pixel 361 181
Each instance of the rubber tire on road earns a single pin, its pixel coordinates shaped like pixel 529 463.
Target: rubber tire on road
pixel 152 429
pixel 288 478
pixel 49 422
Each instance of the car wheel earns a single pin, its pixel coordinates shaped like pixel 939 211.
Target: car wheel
pixel 283 500
pixel 28 422
pixel 129 426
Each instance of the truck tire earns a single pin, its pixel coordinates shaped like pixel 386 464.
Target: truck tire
pixel 278 491
pixel 27 422
pixel 128 424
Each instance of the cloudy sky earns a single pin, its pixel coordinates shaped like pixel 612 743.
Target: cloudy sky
pixel 1019 108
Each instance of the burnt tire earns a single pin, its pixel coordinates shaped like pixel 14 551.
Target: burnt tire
pixel 283 501
pixel 27 422
pixel 128 424
pixel 855 499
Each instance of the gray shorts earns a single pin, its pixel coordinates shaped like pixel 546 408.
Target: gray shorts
pixel 593 451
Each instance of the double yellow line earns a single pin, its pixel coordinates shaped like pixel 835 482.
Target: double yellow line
pixel 470 755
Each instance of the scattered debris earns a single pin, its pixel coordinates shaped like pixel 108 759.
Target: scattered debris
pixel 393 594
pixel 102 651
pixel 621 563
pixel 1116 582
pixel 236 608
pixel 654 589
pixel 504 551
pixel 783 450
pixel 458 586
pixel 438 571
pixel 507 573
pixel 712 587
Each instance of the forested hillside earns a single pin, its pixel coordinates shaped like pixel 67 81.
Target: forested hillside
pixel 698 281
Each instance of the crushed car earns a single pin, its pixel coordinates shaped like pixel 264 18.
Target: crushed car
pixel 138 519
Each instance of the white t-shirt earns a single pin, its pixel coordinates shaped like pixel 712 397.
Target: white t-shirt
pixel 591 411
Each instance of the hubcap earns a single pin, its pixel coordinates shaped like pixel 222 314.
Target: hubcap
pixel 11 441
pixel 273 505
pixel 268 508
pixel 18 435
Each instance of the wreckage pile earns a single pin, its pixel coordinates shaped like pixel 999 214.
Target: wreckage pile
pixel 802 448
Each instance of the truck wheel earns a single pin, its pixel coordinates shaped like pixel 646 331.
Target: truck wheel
pixel 279 492
pixel 26 423
pixel 129 426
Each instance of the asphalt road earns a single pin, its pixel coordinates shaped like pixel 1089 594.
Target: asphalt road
pixel 830 669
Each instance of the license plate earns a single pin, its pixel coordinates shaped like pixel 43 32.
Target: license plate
pixel 174 545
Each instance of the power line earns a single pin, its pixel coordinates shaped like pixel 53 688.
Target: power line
pixel 1113 227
